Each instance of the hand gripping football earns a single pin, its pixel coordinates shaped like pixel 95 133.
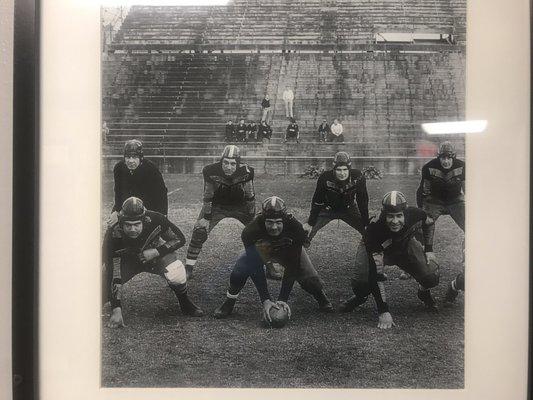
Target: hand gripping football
pixel 279 317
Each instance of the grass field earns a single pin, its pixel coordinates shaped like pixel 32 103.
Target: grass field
pixel 162 348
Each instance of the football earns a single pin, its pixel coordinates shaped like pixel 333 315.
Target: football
pixel 279 317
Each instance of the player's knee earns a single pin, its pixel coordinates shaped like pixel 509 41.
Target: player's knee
pixel 175 273
pixel 199 236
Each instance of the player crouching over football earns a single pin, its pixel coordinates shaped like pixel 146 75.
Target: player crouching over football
pixel 142 241
pixel 274 236
pixel 394 239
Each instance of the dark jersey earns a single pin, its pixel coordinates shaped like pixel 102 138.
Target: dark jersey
pixel 442 184
pixel 145 182
pixel 235 190
pixel 168 238
pixel 324 129
pixel 240 130
pixel 230 130
pixel 285 248
pixel 340 196
pixel 379 238
pixel 292 130
pixel 265 103
pixel 264 131
pixel 251 129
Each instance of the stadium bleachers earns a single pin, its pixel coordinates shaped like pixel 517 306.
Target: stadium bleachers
pixel 174 75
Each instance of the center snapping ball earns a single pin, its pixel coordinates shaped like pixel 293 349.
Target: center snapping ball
pixel 279 317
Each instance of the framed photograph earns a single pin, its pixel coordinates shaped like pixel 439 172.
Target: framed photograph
pixel 203 221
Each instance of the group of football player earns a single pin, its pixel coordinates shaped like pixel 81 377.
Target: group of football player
pixel 140 237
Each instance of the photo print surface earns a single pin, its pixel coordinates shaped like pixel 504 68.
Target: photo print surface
pixel 274 214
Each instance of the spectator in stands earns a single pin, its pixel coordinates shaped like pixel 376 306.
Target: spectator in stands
pixel 293 131
pixel 288 97
pixel 265 107
pixel 251 131
pixel 105 131
pixel 230 132
pixel 264 132
pixel 240 131
pixel 336 132
pixel 323 131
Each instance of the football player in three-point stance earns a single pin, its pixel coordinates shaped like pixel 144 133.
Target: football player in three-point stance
pixel 442 192
pixel 142 241
pixel 340 194
pixel 274 235
pixel 394 239
pixel 228 193
pixel 138 177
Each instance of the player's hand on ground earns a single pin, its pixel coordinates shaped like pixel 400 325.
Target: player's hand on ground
pixel 431 257
pixel 307 228
pixel 113 219
pixel 284 306
pixel 385 321
pixel 116 320
pixel 148 255
pixel 202 223
pixel 267 305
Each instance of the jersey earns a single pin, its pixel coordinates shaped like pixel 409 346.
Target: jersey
pixel 236 190
pixel 341 196
pixel 379 238
pixel 145 182
pixel 293 130
pixel 230 130
pixel 445 185
pixel 264 131
pixel 251 129
pixel 285 248
pixel 168 239
pixel 240 130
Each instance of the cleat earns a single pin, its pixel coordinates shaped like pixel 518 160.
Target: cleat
pixel 225 309
pixel 451 294
pixel 349 305
pixel 326 308
pixel 324 305
pixel 427 299
pixel 189 271
pixel 188 307
pixel 274 271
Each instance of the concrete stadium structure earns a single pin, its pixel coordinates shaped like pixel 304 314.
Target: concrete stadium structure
pixel 173 76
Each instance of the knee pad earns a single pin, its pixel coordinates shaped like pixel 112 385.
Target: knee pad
pixel 199 236
pixel 175 273
pixel 312 284
pixel 360 288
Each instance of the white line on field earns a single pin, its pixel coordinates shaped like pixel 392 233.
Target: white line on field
pixel 174 191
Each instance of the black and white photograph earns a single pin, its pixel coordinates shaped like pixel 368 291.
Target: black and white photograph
pixel 265 199
pixel 275 211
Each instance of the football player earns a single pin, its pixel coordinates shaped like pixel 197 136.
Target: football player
pixel 142 241
pixel 138 177
pixel 442 192
pixel 340 194
pixel 274 235
pixel 228 193
pixel 394 239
